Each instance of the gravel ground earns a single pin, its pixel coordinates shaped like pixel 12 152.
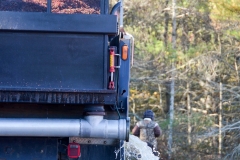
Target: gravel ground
pixel 58 6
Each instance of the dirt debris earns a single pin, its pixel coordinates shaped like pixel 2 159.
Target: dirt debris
pixel 57 6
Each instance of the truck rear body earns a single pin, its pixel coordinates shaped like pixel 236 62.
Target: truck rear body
pixel 55 77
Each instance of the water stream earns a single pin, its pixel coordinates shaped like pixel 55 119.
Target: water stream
pixel 136 149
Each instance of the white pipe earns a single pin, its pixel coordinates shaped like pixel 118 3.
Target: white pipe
pixel 121 14
pixel 90 127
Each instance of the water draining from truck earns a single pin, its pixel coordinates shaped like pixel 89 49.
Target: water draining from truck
pixel 136 149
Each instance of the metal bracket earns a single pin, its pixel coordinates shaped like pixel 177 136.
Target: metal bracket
pixel 92 141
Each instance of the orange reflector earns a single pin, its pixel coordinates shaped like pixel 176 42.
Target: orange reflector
pixel 125 52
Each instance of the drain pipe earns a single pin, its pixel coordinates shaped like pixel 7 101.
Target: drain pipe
pixel 96 126
pixel 92 126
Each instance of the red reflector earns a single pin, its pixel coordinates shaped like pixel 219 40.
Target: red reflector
pixel 74 150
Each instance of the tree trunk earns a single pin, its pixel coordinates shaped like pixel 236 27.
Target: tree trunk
pixel 171 108
pixel 165 35
pixel 189 116
pixel 189 121
pixel 134 111
pixel 168 97
pixel 166 20
pixel 171 117
pixel 236 68
pixel 160 96
pixel 220 122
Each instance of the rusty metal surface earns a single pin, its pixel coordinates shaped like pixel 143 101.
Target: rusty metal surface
pixel 38 110
pixel 57 98
pixel 93 141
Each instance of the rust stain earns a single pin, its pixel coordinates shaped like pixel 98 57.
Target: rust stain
pixel 43 97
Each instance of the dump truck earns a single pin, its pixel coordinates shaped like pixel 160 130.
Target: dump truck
pixel 64 80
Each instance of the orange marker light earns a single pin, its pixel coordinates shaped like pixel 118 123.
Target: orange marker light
pixel 124 52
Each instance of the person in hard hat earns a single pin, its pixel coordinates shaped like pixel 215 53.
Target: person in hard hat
pixel 148 130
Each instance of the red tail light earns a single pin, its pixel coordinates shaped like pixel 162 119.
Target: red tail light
pixel 74 150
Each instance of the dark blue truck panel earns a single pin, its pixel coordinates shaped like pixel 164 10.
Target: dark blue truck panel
pixel 54 55
pixel 49 22
pixel 26 148
pixel 52 61
pixel 56 66
pixel 46 149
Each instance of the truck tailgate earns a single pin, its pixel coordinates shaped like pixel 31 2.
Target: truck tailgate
pixel 42 51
